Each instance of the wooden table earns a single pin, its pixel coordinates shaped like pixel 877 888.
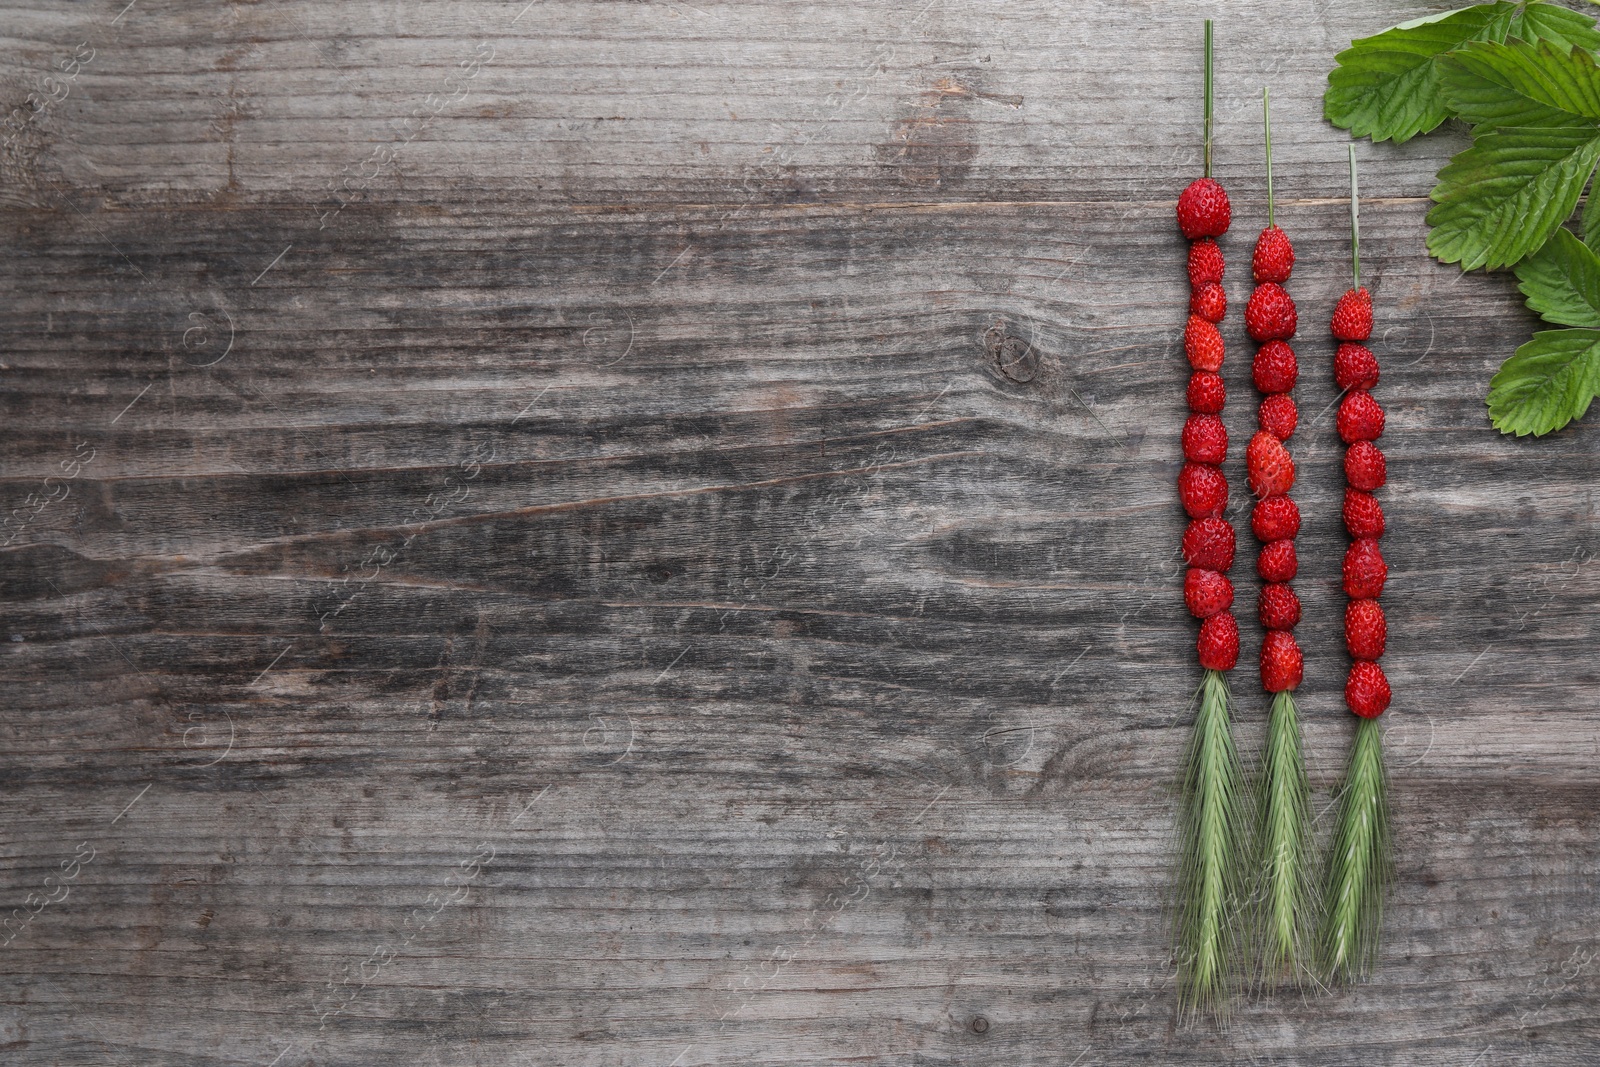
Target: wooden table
pixel 543 563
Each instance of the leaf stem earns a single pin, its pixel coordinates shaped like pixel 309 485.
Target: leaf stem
pixel 1266 124
pixel 1355 224
pixel 1208 100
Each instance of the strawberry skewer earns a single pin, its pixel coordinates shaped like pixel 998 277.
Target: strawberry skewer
pixel 1360 862
pixel 1210 813
pixel 1283 796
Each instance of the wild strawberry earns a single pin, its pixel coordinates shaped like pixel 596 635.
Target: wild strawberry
pixel 1209 543
pixel 1218 644
pixel 1270 469
pixel 1367 690
pixel 1203 489
pixel 1202 343
pixel 1365 629
pixel 1364 570
pixel 1206 592
pixel 1364 466
pixel 1207 392
pixel 1274 256
pixel 1363 515
pixel 1355 367
pixel 1360 417
pixel 1275 368
pixel 1282 665
pixel 1352 317
pixel 1205 263
pixel 1277 561
pixel 1205 440
pixel 1209 301
pixel 1275 518
pixel 1278 607
pixel 1278 416
pixel 1203 210
pixel 1270 315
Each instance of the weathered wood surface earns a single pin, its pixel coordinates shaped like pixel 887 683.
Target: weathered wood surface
pixel 574 588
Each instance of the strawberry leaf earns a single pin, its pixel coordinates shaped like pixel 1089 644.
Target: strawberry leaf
pixel 1387 87
pixel 1562 282
pixel 1558 25
pixel 1520 84
pixel 1547 383
pixel 1502 198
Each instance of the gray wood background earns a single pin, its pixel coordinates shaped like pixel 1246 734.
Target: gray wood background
pixel 540 563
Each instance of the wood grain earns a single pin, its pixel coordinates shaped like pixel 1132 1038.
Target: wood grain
pixel 544 567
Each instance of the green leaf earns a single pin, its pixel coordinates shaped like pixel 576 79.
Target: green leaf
pixel 1556 24
pixel 1387 86
pixel 1562 282
pixel 1520 84
pixel 1503 197
pixel 1547 383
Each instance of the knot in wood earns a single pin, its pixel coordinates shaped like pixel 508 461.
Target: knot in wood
pixel 1015 358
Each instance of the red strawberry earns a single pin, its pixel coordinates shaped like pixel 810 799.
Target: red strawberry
pixel 1219 642
pixel 1355 367
pixel 1203 345
pixel 1203 210
pixel 1352 318
pixel 1206 592
pixel 1205 263
pixel 1364 570
pixel 1207 392
pixel 1205 440
pixel 1274 256
pixel 1360 417
pixel 1275 368
pixel 1275 518
pixel 1366 690
pixel 1277 561
pixel 1363 515
pixel 1364 466
pixel 1209 543
pixel 1365 629
pixel 1278 416
pixel 1204 490
pixel 1209 301
pixel 1270 315
pixel 1278 607
pixel 1271 470
pixel 1282 665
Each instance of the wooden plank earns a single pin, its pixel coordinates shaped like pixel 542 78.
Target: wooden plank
pixel 585 592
